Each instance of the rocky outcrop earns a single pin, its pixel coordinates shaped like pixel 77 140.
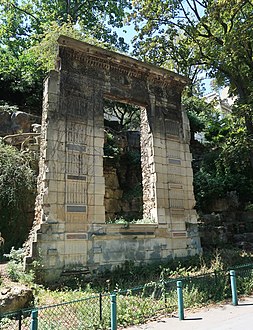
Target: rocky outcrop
pixel 123 178
pixel 17 122
pixel 13 298
pixel 228 227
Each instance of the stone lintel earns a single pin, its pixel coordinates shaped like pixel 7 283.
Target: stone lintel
pixel 122 61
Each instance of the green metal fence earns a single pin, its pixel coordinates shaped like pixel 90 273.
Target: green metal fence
pixel 134 306
pixel 139 304
pixel 88 313
pixel 16 320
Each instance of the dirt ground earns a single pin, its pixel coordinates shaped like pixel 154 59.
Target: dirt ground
pixel 3 272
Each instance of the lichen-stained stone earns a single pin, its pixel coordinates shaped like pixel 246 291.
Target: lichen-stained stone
pixel 15 298
pixel 74 187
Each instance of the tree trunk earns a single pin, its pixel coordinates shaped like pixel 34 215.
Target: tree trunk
pixel 243 98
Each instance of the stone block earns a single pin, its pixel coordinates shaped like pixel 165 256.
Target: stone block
pixel 98 170
pixel 97 218
pixel 162 219
pixel 178 226
pixel 99 141
pixel 54 185
pixel 53 82
pixel 50 198
pixel 179 243
pixel 75 260
pixel 158 144
pixel 189 173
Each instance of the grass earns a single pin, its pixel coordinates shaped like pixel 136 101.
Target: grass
pixel 143 291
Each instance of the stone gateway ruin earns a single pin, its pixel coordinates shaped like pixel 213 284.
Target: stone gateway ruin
pixel 70 229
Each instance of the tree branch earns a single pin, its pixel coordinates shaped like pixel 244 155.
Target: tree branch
pixel 235 13
pixel 201 4
pixel 205 26
pixel 25 11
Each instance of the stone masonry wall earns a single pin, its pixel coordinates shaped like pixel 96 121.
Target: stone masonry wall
pixel 70 229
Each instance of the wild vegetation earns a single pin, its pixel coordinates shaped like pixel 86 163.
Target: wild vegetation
pixel 143 291
pixel 214 39
pixel 17 195
pixel 28 33
pixel 221 163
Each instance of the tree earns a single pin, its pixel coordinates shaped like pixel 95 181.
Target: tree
pixel 215 36
pixel 24 25
pixel 126 115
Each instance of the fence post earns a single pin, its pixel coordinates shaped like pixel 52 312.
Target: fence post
pixel 164 292
pixel 113 312
pixel 20 320
pixel 233 287
pixel 34 322
pixel 100 307
pixel 180 300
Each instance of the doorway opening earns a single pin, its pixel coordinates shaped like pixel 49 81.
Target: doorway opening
pixel 122 163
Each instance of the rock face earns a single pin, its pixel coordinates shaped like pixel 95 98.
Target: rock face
pixel 5 123
pixel 17 122
pixel 227 227
pixel 123 181
pixel 15 298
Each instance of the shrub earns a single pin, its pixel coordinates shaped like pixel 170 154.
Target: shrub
pixel 17 195
pixel 15 267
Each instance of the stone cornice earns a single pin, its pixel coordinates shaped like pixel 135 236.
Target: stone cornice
pixel 99 57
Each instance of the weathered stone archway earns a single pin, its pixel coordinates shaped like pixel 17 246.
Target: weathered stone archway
pixel 70 228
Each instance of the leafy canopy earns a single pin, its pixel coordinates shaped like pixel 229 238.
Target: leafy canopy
pixel 26 26
pixel 196 35
pixel 216 35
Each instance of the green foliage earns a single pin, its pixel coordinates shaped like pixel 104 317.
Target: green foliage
pixel 133 157
pixel 4 107
pixel 127 220
pixel 225 165
pixel 134 192
pixel 145 291
pixel 205 280
pixel 192 36
pixel 15 267
pixel 249 207
pixel 196 123
pixel 45 52
pixel 244 283
pixel 17 195
pixel 212 183
pixel 29 29
pixel 127 115
pixel 215 35
pixel 111 147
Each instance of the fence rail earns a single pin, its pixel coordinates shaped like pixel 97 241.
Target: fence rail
pixel 133 305
pixel 87 313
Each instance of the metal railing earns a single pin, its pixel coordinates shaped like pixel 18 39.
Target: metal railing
pixel 87 313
